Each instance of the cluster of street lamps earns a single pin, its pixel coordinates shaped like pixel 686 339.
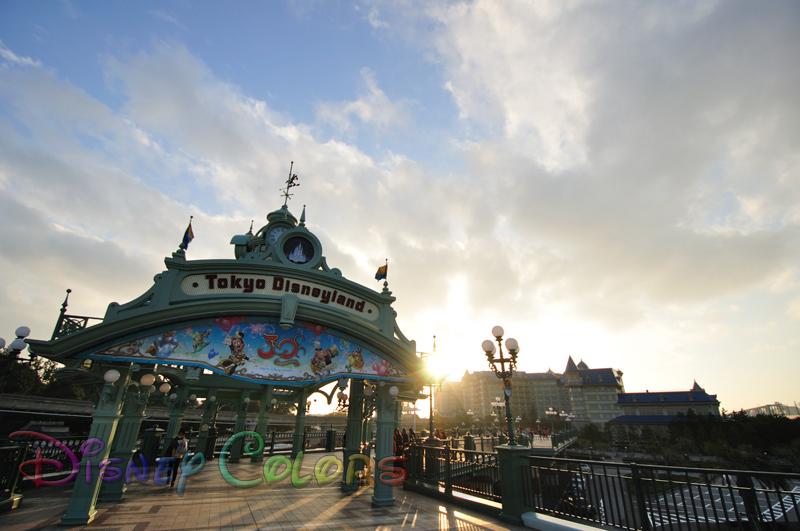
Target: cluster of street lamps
pixel 552 414
pixel 14 349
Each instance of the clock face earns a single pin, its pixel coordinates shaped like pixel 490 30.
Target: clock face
pixel 275 233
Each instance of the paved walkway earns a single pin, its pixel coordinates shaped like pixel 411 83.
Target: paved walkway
pixel 209 502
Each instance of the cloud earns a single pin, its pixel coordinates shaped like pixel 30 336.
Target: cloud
pixel 166 17
pixel 10 56
pixel 373 108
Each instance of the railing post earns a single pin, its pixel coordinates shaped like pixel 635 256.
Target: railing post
pixel 448 480
pixel 640 503
pixel 272 444
pixel 512 464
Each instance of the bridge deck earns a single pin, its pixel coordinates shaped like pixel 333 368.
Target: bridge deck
pixel 211 503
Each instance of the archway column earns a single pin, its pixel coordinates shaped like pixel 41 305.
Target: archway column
pixel 265 406
pixel 82 503
pixel 385 406
pixel 241 421
pixel 177 408
pixel 355 412
pixel 299 422
pixel 209 408
pixel 134 403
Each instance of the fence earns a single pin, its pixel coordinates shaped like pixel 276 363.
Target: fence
pixel 10 459
pixel 471 472
pixel 630 496
pixel 55 463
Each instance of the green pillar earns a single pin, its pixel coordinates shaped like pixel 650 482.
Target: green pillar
pixel 133 406
pixel 385 406
pixel 398 414
pixel 176 411
pixel 209 408
pixel 81 509
pixel 265 406
pixel 299 422
pixel 241 420
pixel 355 412
pixel 512 467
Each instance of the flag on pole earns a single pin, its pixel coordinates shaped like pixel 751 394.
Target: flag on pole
pixel 382 271
pixel 188 236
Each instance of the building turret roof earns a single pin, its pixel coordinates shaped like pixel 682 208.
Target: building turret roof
pixel 571 367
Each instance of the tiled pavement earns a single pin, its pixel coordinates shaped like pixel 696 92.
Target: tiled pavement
pixel 209 502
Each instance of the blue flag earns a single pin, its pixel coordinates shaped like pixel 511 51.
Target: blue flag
pixel 382 271
pixel 188 236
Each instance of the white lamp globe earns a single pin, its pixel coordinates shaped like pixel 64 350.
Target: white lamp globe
pixel 173 396
pixel 212 398
pixel 164 387
pixel 511 344
pixel 368 390
pixel 18 344
pixel 147 380
pixel 111 376
pixel 394 390
pixel 488 346
pixel 247 400
pixel 498 331
pixel 23 331
pixel 192 397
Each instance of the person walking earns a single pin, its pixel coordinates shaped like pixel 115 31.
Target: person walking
pixel 178 447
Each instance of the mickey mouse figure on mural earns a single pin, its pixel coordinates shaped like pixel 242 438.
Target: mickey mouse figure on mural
pixel 237 356
pixel 322 358
pixel 164 345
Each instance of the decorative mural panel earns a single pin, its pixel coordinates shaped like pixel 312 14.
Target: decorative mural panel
pixel 255 349
pixel 235 284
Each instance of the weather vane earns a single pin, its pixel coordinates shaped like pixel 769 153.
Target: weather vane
pixel 291 182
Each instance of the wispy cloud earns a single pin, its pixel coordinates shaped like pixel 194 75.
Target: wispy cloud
pixel 166 17
pixel 372 107
pixel 10 56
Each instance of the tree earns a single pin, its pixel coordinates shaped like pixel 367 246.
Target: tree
pixel 36 377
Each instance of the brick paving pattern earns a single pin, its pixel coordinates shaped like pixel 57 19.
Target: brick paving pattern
pixel 209 502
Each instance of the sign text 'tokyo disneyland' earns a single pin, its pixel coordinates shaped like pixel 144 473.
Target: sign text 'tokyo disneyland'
pixel 255 349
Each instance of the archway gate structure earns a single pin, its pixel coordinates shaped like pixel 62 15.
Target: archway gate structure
pixel 274 324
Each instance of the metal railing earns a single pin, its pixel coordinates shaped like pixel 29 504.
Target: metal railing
pixel 630 496
pixel 467 471
pixel 10 459
pixel 50 451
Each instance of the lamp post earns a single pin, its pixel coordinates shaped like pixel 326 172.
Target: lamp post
pixel 424 357
pixel 503 368
pixel 14 349
pixel 551 414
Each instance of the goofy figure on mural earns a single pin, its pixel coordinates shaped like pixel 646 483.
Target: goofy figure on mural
pixel 164 345
pixel 237 356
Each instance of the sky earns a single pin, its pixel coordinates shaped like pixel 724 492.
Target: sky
pixel 615 181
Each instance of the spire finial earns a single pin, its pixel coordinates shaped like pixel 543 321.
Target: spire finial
pixel 66 301
pixel 251 227
pixel 291 182
pixel 303 217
